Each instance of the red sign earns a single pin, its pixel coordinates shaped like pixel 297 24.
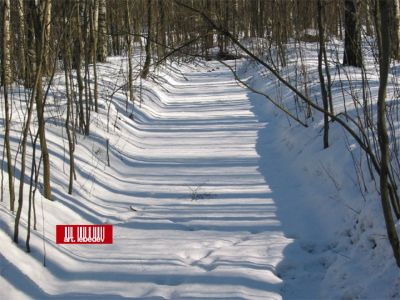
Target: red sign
pixel 84 234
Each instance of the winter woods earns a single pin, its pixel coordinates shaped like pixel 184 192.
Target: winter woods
pixel 43 39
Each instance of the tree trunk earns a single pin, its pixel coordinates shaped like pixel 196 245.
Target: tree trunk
pixel 71 146
pixel 395 29
pixel 35 21
pixel 87 56
pixel 41 51
pixel 383 138
pixel 129 54
pixel 352 41
pixel 324 94
pixel 209 39
pixel 146 66
pixel 77 64
pixel 102 38
pixel 47 64
pixel 22 40
pixel 162 40
pixel 94 25
pixel 6 80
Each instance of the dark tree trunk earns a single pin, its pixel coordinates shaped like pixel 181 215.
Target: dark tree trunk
pixel 352 41
pixel 384 63
pixel 146 67
pixel 324 93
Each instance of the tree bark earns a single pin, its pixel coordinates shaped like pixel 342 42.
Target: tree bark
pixel 77 64
pixel 352 31
pixel 6 79
pixel 146 66
pixel 162 39
pixel 47 64
pixel 94 26
pixel 102 38
pixel 384 64
pixel 129 54
pixel 22 40
pixel 395 34
pixel 324 94
pixel 42 56
pixel 71 146
pixel 35 22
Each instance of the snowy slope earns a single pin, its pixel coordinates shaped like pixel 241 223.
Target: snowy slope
pixel 212 196
pixel 348 239
pixel 205 224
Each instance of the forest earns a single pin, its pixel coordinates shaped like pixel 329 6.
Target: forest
pixel 241 149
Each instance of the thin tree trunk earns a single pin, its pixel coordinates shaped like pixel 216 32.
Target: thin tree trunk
pixel 395 29
pixel 102 37
pixel 94 26
pixel 321 29
pixel 6 79
pixel 39 38
pixel 162 29
pixel 88 92
pixel 328 73
pixel 78 65
pixel 383 138
pixel 31 194
pixel 129 54
pixel 47 65
pixel 146 66
pixel 41 54
pixel 22 40
pixel 67 73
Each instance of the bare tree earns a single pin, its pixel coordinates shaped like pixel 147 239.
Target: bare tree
pixel 129 53
pixel 36 25
pixel 384 63
pixel 6 80
pixel 321 52
pixel 146 66
pixel 22 40
pixel 102 38
pixel 42 48
pixel 94 16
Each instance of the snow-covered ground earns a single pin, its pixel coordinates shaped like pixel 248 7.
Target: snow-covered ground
pixel 346 237
pixel 211 196
pixel 206 223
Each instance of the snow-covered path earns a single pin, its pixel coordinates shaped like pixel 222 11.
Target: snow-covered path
pixel 193 217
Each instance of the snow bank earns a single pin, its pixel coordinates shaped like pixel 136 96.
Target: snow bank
pixel 348 239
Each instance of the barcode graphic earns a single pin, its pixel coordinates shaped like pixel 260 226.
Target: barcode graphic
pixel 84 234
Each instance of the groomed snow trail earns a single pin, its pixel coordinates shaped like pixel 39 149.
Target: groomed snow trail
pixel 193 217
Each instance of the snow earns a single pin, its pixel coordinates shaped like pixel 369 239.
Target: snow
pixel 212 196
pixel 224 241
pixel 351 256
